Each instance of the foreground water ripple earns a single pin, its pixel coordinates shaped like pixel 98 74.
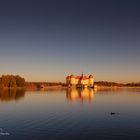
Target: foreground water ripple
pixel 62 115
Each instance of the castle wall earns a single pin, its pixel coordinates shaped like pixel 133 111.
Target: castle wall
pixel 72 81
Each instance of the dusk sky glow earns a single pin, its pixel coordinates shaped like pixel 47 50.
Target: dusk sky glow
pixel 45 40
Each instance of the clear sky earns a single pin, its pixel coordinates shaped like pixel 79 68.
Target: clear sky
pixel 44 40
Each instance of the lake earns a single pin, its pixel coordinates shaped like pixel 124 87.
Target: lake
pixel 70 114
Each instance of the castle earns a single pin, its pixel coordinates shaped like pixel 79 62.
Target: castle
pixel 80 81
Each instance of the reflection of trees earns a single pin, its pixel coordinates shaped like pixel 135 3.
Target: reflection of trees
pixel 80 94
pixel 8 95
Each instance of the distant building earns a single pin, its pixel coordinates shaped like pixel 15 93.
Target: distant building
pixel 80 81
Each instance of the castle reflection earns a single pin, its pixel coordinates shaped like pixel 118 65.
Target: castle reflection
pixel 86 94
pixel 8 95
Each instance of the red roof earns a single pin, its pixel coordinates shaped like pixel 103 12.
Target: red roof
pixel 84 78
pixel 77 77
pixel 68 77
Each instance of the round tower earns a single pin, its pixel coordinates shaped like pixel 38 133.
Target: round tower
pixel 72 80
pixel 68 80
pixel 91 80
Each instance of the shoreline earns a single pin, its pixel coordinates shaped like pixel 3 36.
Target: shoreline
pixel 65 87
pixel 96 88
pixel 117 87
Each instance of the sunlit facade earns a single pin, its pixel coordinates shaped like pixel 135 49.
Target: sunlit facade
pixel 80 81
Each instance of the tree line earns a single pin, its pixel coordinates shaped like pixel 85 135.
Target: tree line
pixel 38 84
pixel 112 84
pixel 108 84
pixel 12 81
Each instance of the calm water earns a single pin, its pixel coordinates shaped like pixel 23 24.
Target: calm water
pixel 70 114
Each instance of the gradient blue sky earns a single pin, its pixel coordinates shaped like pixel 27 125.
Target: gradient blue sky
pixel 44 40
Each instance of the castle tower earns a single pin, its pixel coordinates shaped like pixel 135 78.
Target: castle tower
pixel 72 80
pixel 68 80
pixel 82 75
pixel 91 80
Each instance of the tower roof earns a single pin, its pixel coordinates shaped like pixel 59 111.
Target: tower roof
pixel 77 77
pixel 90 76
pixel 71 76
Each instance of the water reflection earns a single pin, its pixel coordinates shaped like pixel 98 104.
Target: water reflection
pixel 47 114
pixel 86 94
pixel 13 94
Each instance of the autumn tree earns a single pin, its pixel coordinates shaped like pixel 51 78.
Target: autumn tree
pixel 12 81
pixel 20 82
